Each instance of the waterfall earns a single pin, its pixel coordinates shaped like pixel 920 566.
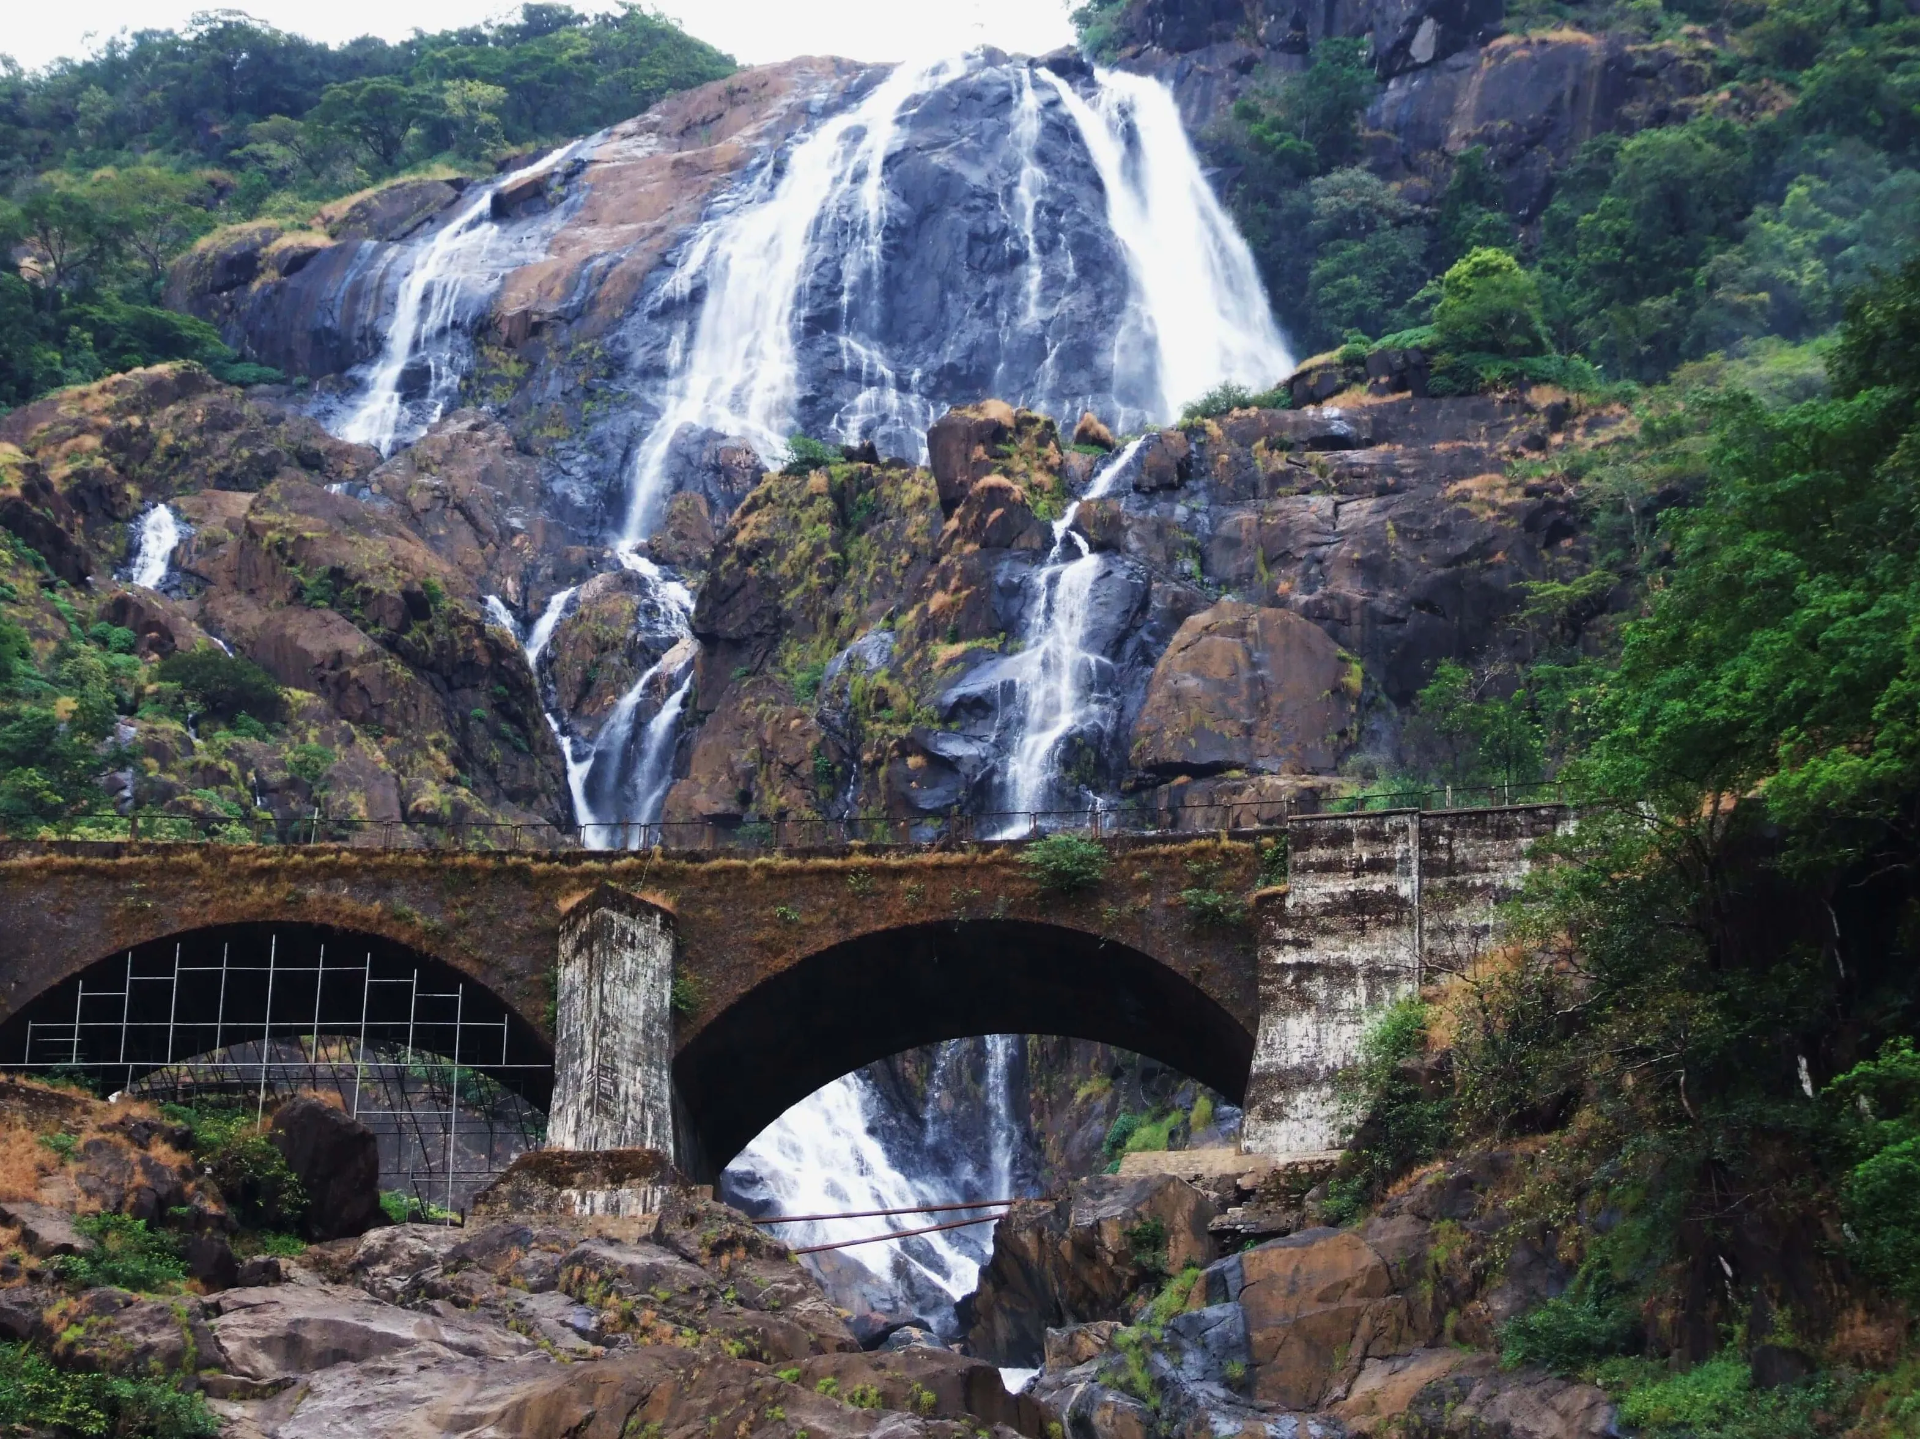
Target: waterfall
pixel 443 283
pixel 1198 309
pixel 160 534
pixel 619 779
pixel 842 1149
pixel 740 373
pixel 1055 675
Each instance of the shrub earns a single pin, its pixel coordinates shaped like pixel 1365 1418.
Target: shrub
pixel 1398 1126
pixel 251 1175
pixel 310 762
pixel 1118 1133
pixel 805 455
pixel 1147 1243
pixel 1226 397
pixel 223 684
pixel 1210 909
pixel 1489 306
pixel 1569 1333
pixel 1064 863
pixel 130 1256
pixel 37 1398
pixel 1880 1103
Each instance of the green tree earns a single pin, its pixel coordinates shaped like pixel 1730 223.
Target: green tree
pixel 471 111
pixel 375 114
pixel 1489 305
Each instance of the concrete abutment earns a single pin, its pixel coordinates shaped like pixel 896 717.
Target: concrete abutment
pixel 1374 904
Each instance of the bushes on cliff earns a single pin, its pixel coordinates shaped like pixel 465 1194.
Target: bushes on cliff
pixel 1714 994
pixel 1400 1115
pixel 221 684
pixel 250 1172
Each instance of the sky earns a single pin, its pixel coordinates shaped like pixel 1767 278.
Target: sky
pixel 752 31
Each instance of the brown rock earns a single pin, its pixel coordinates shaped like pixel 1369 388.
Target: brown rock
pixel 295 1329
pixel 1102 524
pixel 954 1386
pixel 1081 1259
pixel 1247 688
pixel 46 1231
pixel 474 499
pixel 1091 432
pixel 160 625
pixel 961 445
pixel 993 516
pixel 686 537
pixel 1317 1305
pixel 1078 1343
pixel 112 1332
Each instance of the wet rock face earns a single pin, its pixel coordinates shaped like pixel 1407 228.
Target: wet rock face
pixel 1329 1332
pixel 1083 1259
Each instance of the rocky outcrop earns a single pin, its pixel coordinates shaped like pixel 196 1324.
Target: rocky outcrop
pixel 1354 1331
pixel 365 603
pixel 1088 1257
pixel 1247 688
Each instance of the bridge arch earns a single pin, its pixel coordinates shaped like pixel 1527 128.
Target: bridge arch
pixel 861 999
pixel 164 1001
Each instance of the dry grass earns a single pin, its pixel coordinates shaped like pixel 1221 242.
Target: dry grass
pixel 24 1162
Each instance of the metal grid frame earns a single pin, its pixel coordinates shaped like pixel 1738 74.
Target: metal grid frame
pixel 130 1035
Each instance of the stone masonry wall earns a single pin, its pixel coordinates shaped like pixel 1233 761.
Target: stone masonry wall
pixel 613 1049
pixel 1374 902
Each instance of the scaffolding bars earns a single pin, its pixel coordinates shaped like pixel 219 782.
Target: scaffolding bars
pixel 432 1073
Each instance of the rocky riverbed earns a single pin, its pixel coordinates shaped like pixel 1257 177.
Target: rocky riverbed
pixel 123 1257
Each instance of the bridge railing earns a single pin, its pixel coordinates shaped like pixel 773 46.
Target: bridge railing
pixel 764 836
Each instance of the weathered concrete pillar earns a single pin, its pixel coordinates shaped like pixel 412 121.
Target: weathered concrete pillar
pixel 1375 904
pixel 1342 943
pixel 613 1046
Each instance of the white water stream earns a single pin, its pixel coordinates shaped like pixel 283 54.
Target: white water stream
pixel 160 534
pixel 740 373
pixel 836 1152
pixel 1056 677
pixel 1199 313
pixel 444 279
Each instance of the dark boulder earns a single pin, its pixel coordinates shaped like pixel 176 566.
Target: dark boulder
pixel 337 1161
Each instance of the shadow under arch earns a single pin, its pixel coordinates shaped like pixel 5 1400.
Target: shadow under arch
pixel 859 1001
pixel 207 990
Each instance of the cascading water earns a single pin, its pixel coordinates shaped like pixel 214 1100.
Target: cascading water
pixel 845 1148
pixel 445 282
pixel 822 295
pixel 740 373
pixel 1198 308
pixel 619 778
pixel 160 535
pixel 1056 678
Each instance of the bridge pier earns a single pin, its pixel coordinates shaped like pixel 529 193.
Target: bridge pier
pixel 613 1025
pixel 1376 904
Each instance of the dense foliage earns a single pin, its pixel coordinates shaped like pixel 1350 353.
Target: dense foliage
pixel 37 1398
pixel 1748 217
pixel 1714 996
pixel 113 164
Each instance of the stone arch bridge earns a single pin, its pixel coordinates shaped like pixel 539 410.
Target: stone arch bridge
pixel 681 1002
